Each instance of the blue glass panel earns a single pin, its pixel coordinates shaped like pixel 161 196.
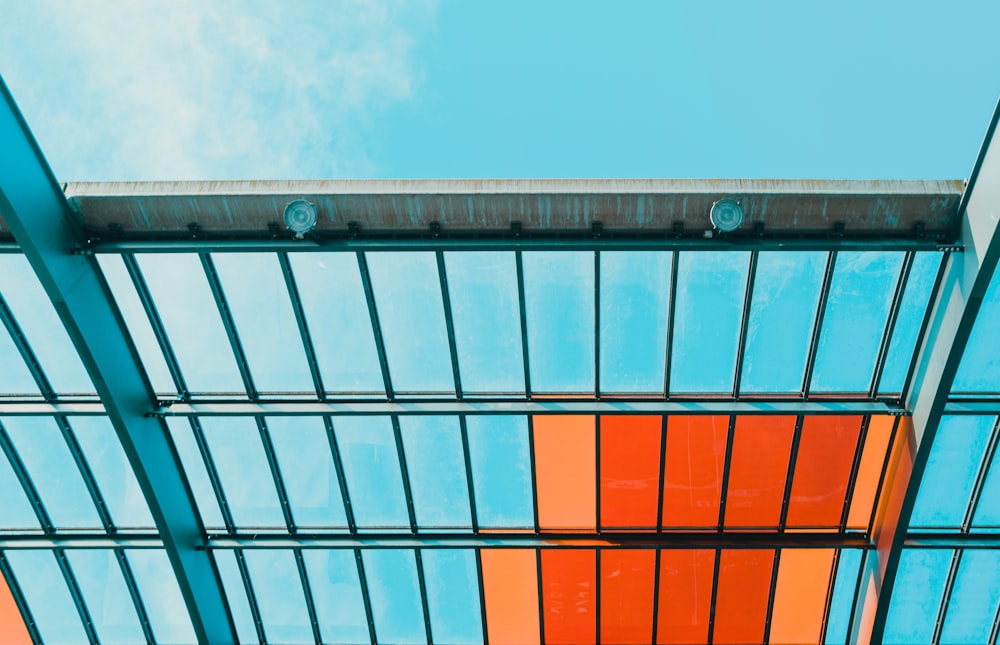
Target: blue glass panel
pixel 979 370
pixel 951 471
pixel 916 596
pixel 185 304
pixel 106 596
pixel 395 596
pixel 371 467
pixel 279 595
pixel 916 296
pixel 411 315
pixel 436 465
pixel 635 295
pixel 452 583
pixel 48 597
pixel 782 314
pixel 262 310
pixel 14 377
pixel 16 511
pixel 38 321
pixel 55 475
pixel 485 312
pixel 115 479
pixel 856 313
pixel 236 594
pixel 500 457
pixel 988 510
pixel 711 286
pixel 240 461
pixel 161 597
pixel 974 598
pixel 194 469
pixel 336 312
pixel 844 589
pixel 302 449
pixel 336 592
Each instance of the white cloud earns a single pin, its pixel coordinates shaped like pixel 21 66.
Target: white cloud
pixel 189 89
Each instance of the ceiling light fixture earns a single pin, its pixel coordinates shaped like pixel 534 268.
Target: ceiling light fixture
pixel 300 217
pixel 726 215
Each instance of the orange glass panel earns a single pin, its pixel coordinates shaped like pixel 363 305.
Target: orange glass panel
pixel 893 493
pixel 627 581
pixel 757 472
pixel 741 600
pixel 800 596
pixel 870 471
pixel 630 471
pixel 685 601
pixel 692 471
pixel 12 629
pixel 510 590
pixel 868 610
pixel 822 470
pixel 565 477
pixel 569 588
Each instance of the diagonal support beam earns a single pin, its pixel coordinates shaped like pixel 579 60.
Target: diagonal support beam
pixel 39 217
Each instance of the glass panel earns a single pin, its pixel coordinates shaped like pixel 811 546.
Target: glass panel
pixel 866 483
pixel 564 471
pixel 47 596
pixel 279 595
pixel 692 471
pixel 800 596
pixel 258 301
pixel 395 596
pixel 782 313
pixel 236 594
pixel 50 465
pixel 182 434
pixel 435 462
pixel 510 587
pixel 709 312
pixel 972 607
pixel 822 470
pixel 630 470
pixel 161 597
pixel 569 583
pixel 485 312
pixel 685 602
pixel 742 596
pixel 238 455
pixel 911 314
pixel 951 471
pixel 500 457
pixel 336 591
pixel 627 581
pixel 191 319
pixel 979 370
pixel 856 313
pixel 12 624
pixel 302 449
pixel 106 595
pixel 39 323
pixel 411 315
pixel 635 294
pixel 452 583
pixel 14 377
pixel 16 511
pixel 559 307
pixel 758 471
pixel 988 509
pixel 371 467
pixel 336 311
pixel 844 590
pixel 916 596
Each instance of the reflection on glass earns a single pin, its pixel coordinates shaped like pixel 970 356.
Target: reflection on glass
pixel 979 370
pixel 501 471
pixel 302 449
pixel 371 467
pixel 395 596
pixel 182 434
pixel 435 463
pixel 47 596
pixel 336 592
pixel 911 314
pixel 236 594
pixel 452 583
pixel 279 595
pixel 106 595
pixel 916 596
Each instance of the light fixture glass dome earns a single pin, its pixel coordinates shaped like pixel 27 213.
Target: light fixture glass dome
pixel 726 215
pixel 300 217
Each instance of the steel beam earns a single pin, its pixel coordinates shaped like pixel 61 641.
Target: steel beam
pixel 37 214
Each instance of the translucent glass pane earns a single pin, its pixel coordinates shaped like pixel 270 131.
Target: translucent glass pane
pixel 55 475
pixel 838 623
pixel 184 440
pixel 115 479
pixel 16 511
pixel 236 594
pixel 979 370
pixel 916 596
pixel 510 587
pixel 411 315
pixel 485 312
pixel 336 592
pixel 972 607
pixel 569 603
pixel 106 595
pixel 742 596
pixel 371 467
pixel 856 313
pixel 684 606
pixel 161 597
pixel 336 312
pixel 951 471
pixel 240 461
pixel 435 462
pixel 501 471
pixel 191 319
pixel 709 312
pixel 302 449
pixel 279 595
pixel 800 595
pixel 48 598
pixel 565 472
pixel 782 314
pixel 559 310
pixel 635 295
pixel 452 583
pixel 911 315
pixel 988 510
pixel 38 321
pixel 395 596
pixel 14 377
pixel 258 300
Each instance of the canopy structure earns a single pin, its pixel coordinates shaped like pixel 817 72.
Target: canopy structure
pixel 502 412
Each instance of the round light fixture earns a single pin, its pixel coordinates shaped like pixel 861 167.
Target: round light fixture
pixel 300 217
pixel 726 215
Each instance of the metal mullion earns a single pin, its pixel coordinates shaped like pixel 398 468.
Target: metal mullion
pixel 541 596
pixel 155 322
pixel 133 591
pixel 715 592
pixel 523 313
pixel 338 464
pixel 597 595
pixel 662 475
pixel 745 323
pixel 383 360
pixel 213 475
pixel 855 467
pixel 229 323
pixel 251 596
pixel 534 479
pixel 449 322
pixel 24 349
pixel 890 324
pixel 86 473
pixel 422 585
pixel 949 587
pixel 671 307
pixel 824 296
pixel 279 482
pixel 770 595
pixel 74 591
pixel 881 480
pixel 482 595
pixel 19 599
pixel 404 473
pixel 724 489
pixel 300 321
pixel 995 631
pixel 924 324
pixel 24 478
pixel 793 456
pixel 597 471
pixel 854 619
pixel 597 326
pixel 473 514
pixel 307 591
pixel 365 598
pixel 656 593
pixel 831 589
pixel 984 469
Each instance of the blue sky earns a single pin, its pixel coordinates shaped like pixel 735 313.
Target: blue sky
pixel 383 88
